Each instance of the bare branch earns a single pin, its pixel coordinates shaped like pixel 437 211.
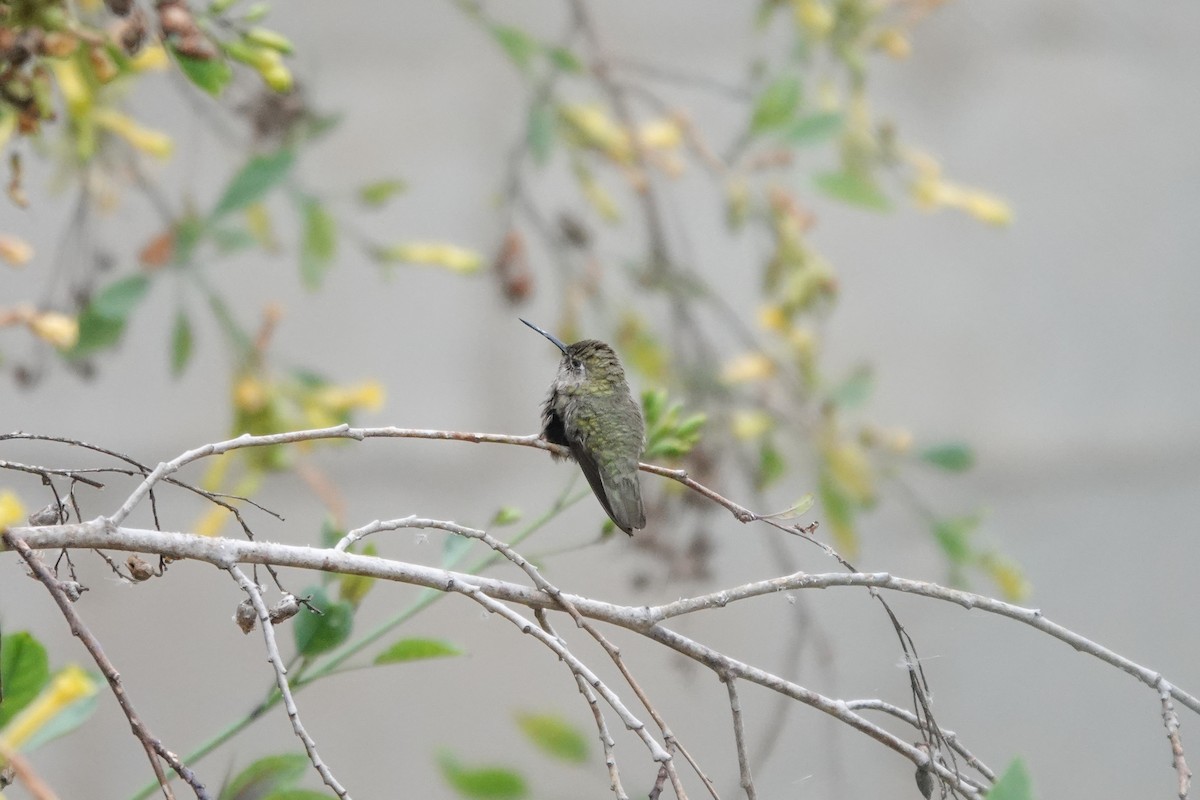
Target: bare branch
pixel 1171 721
pixel 154 748
pixel 739 738
pixel 276 661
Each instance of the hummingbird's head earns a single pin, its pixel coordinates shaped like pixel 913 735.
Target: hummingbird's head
pixel 589 362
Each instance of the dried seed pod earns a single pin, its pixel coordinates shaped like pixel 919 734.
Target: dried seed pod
pixel 119 7
pixel 72 589
pixel 139 570
pixel 285 609
pixel 196 45
pixel 52 514
pixel 245 616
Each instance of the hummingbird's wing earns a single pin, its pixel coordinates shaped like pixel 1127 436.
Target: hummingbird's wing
pixel 626 515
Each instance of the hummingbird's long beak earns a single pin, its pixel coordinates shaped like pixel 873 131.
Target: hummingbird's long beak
pixel 557 342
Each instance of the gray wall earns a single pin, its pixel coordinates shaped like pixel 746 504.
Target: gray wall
pixel 1063 348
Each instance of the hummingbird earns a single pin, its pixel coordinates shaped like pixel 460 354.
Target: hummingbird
pixel 590 411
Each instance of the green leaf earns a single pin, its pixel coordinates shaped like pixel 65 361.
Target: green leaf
pixel 519 45
pixel 181 343
pixel 417 649
pixel 952 456
pixel 353 588
pixel 482 783
pixel 854 189
pixel 564 59
pixel 505 515
pixel 268 774
pixel 96 333
pixel 855 390
pixel 954 536
pixel 540 133
pixel 229 240
pixel 318 243
pixel 814 128
pixel 555 736
pixel 253 181
pixel 24 670
pixel 775 106
pixel 320 633
pixel 771 466
pixel 1014 784
pixel 116 300
pixel 68 718
pixel 211 75
pixel 839 512
pixel 377 193
pixel 331 534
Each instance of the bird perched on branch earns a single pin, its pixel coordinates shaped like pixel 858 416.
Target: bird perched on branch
pixel 591 412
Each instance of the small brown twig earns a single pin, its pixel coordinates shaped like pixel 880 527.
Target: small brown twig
pixel 1171 722
pixel 154 748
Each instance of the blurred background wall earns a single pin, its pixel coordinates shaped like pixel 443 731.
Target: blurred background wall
pixel 1064 348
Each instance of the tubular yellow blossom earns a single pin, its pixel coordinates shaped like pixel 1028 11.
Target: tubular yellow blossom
pixel 748 367
pixel 150 58
pixel 986 208
pixel 591 127
pixel 250 394
pixel 60 330
pixel 14 250
pixel 72 86
pixel 750 424
pixel 894 43
pixel 368 395
pixel 68 686
pixel 772 317
pixel 436 254
pixel 660 134
pixel 849 466
pixel 11 509
pixel 144 139
pixel 814 17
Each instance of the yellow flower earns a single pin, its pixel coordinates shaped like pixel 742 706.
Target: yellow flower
pixel 591 127
pixel 340 399
pixel 68 686
pixel 15 251
pixel 849 466
pixel 773 318
pixel 436 254
pixel 251 394
pixel 660 134
pixel 11 509
pixel 73 87
pixel 60 330
pixel 750 424
pixel 894 43
pixel 986 208
pixel 748 367
pixel 148 141
pixel 151 57
pixel 814 17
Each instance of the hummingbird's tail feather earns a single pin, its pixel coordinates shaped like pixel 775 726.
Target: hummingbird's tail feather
pixel 626 511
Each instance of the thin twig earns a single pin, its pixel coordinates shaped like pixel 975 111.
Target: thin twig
pixel 281 680
pixel 739 738
pixel 1171 722
pixel 606 741
pixel 154 748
